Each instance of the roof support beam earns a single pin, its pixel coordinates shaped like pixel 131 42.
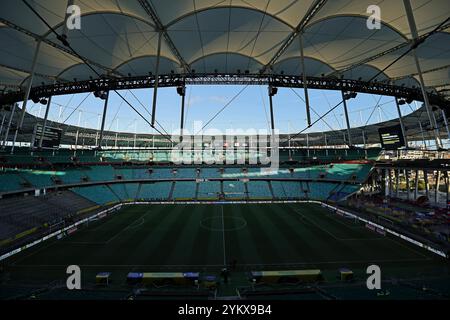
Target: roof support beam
pixel 57 46
pixel 272 92
pixel 347 120
pixel 181 90
pixel 105 109
pixel 3 122
pixel 413 28
pixel 423 72
pixel 30 83
pixel 305 86
pixel 402 125
pixel 8 127
pixel 27 94
pixel 152 13
pixel 44 125
pixel 315 7
pixel 383 53
pixel 444 116
pixel 155 88
pixel 174 80
pixel 27 72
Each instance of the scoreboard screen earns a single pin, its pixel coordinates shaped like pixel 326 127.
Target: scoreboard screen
pixel 51 137
pixel 391 138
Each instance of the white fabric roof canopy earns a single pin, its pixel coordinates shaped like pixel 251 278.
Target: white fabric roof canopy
pixel 119 37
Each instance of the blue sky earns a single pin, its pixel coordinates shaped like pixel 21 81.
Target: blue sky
pixel 248 110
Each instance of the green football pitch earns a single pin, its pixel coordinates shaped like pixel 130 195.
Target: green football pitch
pixel 204 238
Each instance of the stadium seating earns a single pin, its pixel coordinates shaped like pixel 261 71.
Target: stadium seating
pixel 283 190
pixel 99 194
pixel 74 176
pixel 162 174
pixel 209 173
pixel 320 190
pixel 259 189
pixel 10 180
pixel 329 155
pixel 209 190
pixel 342 192
pixel 39 178
pixel 184 190
pixel 132 173
pixel 186 173
pixel 234 189
pixel 100 173
pixel 154 191
pixel 125 191
pixel 18 215
pixel 355 172
pixel 340 171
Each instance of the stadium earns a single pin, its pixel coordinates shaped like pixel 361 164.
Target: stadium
pixel 224 150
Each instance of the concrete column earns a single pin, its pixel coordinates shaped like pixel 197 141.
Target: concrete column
pixel 347 120
pixel 397 181
pixel 155 89
pixel 415 36
pixel 416 184
pixel 44 125
pixel 436 185
pixel 407 176
pixel 400 119
pixel 102 128
pixel 8 127
pixel 305 87
pixel 425 177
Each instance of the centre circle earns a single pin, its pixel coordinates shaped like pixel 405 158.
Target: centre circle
pixel 218 223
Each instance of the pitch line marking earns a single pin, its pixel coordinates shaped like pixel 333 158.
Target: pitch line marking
pixel 336 219
pixel 219 265
pixel 361 239
pixel 33 253
pixel 223 239
pixel 407 247
pixel 142 221
pixel 126 228
pixel 316 225
pixel 331 234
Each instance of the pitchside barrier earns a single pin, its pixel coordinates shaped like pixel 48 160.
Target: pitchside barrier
pixel 163 278
pixel 66 230
pixel 383 230
pixel 101 214
pixel 286 276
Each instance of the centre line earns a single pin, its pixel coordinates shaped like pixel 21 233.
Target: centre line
pixel 223 238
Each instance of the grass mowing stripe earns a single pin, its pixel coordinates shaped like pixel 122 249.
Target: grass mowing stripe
pixel 185 246
pixel 223 238
pixel 275 237
pixel 167 249
pixel 261 235
pixel 240 244
pixel 366 234
pixel 127 227
pixel 208 250
pixel 322 246
pixel 283 233
pixel 364 246
pixel 331 247
pixel 303 240
pixel 116 247
pixel 140 248
pixel 59 251
pixel 215 246
pixel 159 245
